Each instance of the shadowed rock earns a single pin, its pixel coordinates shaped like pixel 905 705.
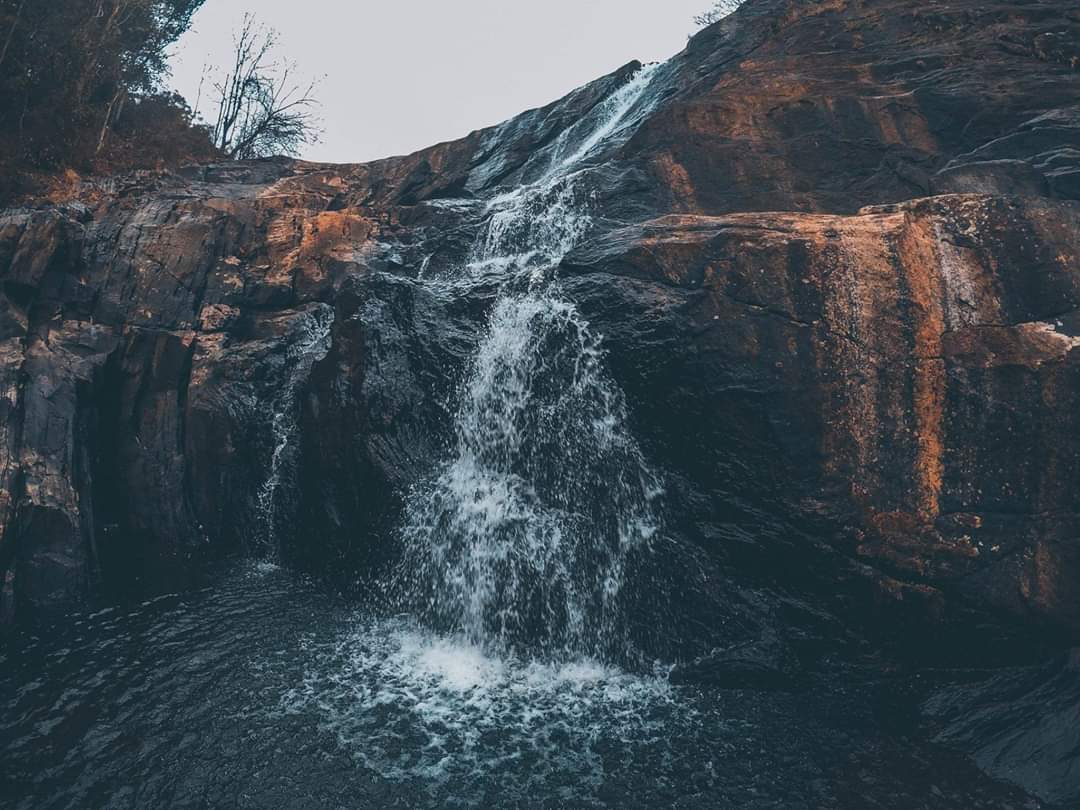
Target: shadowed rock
pixel 836 272
pixel 869 367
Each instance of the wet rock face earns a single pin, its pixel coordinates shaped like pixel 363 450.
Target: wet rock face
pixel 880 370
pixel 1020 725
pixel 836 270
pixel 832 106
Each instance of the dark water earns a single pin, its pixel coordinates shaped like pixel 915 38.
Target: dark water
pixel 263 691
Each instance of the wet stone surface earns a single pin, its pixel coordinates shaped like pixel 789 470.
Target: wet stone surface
pixel 263 691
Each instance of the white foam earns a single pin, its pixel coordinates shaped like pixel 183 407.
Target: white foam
pixel 615 117
pixel 262 568
pixel 527 529
pixel 410 704
pixel 522 537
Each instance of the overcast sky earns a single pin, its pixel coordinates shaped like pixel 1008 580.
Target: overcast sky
pixel 400 75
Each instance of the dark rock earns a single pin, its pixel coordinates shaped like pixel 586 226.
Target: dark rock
pixel 767 663
pixel 864 401
pixel 992 177
pixel 830 367
pixel 1020 726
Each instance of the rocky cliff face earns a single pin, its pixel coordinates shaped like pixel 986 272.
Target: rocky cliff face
pixel 836 267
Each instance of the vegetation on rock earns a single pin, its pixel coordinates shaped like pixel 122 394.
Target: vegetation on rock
pixel 82 90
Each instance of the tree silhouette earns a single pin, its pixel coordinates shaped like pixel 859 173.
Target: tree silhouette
pixel 262 109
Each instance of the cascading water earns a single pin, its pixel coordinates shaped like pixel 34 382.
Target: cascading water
pixel 304 349
pixel 505 683
pixel 513 625
pixel 521 540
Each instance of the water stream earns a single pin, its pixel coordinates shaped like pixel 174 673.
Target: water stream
pixel 308 342
pixel 520 541
pixel 515 550
pixel 264 691
pixel 506 674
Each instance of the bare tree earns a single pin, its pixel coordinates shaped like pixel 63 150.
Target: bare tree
pixel 262 109
pixel 719 10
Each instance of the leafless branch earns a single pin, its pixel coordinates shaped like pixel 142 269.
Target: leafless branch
pixel 262 110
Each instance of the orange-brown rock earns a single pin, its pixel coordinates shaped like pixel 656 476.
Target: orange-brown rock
pixel 836 268
pixel 911 370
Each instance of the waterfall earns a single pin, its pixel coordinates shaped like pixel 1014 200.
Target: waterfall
pixel 307 343
pixel 521 539
pixel 511 643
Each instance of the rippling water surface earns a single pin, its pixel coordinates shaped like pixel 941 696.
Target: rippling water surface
pixel 263 691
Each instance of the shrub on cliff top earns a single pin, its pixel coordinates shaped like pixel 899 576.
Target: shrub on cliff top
pixel 75 73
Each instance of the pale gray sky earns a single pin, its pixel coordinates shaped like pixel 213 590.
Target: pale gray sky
pixel 403 75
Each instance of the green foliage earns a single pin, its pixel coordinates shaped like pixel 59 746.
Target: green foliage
pixel 72 70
